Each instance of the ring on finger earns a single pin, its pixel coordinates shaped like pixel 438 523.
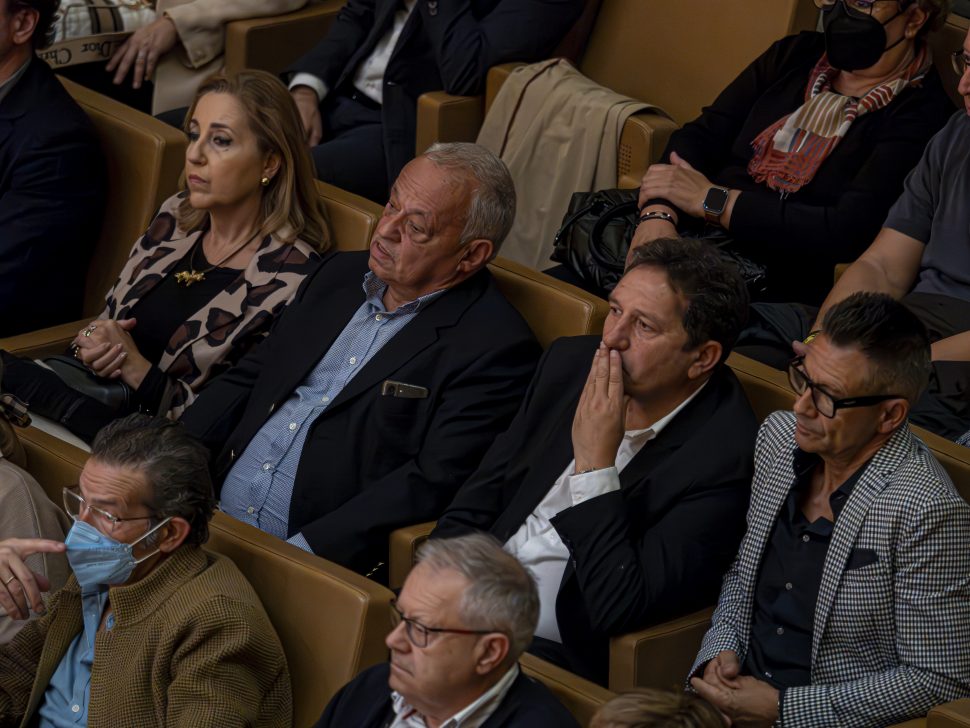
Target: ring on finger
pixel 7 581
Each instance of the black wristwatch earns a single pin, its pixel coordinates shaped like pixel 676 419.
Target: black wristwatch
pixel 714 203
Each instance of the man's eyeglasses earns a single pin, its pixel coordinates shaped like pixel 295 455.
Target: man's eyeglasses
pixel 74 504
pixel 859 6
pixel 824 402
pixel 419 634
pixel 960 60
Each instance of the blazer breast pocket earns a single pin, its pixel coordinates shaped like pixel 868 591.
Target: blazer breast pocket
pixel 861 558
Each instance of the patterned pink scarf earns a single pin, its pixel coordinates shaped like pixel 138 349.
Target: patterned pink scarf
pixel 789 152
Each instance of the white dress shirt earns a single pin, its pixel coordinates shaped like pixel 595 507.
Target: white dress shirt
pixel 471 716
pixel 369 77
pixel 538 545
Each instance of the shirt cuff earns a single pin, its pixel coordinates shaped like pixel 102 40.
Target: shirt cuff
pixel 308 79
pixel 298 540
pixel 584 486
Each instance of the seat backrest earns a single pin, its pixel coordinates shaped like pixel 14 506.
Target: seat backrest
pixel 680 54
pixel 581 697
pixel 352 217
pixel 550 307
pixel 144 158
pixel 331 621
pixel 943 42
pixel 768 391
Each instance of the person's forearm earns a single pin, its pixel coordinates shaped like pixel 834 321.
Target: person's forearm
pixel 952 348
pixel 863 275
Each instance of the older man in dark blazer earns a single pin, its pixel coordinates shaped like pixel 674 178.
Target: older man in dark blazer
pixel 624 485
pixel 358 89
pixel 52 182
pixel 387 377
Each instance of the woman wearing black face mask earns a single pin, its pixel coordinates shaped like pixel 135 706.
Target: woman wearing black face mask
pixel 797 162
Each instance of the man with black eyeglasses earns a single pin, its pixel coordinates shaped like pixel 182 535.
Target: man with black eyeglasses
pixel 466 613
pixel 849 601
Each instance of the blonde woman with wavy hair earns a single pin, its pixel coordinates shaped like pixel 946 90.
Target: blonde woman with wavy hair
pixel 217 265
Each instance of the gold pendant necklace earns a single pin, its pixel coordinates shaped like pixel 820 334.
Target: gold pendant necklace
pixel 188 277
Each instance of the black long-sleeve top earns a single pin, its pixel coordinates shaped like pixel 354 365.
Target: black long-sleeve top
pixel 834 217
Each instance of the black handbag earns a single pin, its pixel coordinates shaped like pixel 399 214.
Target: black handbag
pixel 596 233
pixel 112 393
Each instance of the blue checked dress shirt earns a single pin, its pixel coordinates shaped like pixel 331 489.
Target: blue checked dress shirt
pixel 259 487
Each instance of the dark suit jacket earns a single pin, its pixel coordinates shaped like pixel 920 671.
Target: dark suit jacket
pixel 365 702
pixel 52 192
pixel 373 463
pixel 445 45
pixel 655 549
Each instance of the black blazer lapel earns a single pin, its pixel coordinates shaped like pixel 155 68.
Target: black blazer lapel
pixel 417 335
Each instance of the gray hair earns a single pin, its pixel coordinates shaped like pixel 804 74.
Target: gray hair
pixel 175 465
pixel 492 208
pixel 503 594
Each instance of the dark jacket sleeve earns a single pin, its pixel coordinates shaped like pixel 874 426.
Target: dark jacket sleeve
pixel 327 59
pixel 478 403
pixel 466 47
pixel 481 499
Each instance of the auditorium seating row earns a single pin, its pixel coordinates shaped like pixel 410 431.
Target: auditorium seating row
pixel 332 621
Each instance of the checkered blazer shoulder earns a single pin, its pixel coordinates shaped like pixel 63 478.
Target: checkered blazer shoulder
pixel 892 638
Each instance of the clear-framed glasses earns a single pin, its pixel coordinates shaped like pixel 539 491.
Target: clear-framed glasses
pixel 960 60
pixel 824 402
pixel 863 7
pixel 74 504
pixel 419 634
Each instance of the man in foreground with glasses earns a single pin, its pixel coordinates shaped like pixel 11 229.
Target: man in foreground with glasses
pixel 849 601
pixel 150 629
pixel 464 616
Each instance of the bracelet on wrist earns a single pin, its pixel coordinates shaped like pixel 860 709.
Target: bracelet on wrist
pixel 657 215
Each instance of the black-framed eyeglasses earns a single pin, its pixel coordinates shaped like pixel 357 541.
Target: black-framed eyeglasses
pixel 824 402
pixel 863 7
pixel 959 60
pixel 419 634
pixel 74 503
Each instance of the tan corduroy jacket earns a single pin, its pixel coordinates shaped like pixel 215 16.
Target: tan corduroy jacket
pixel 191 646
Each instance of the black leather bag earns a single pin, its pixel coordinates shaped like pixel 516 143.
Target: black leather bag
pixel 112 393
pixel 596 232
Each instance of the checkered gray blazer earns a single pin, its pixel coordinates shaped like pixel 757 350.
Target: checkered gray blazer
pixel 892 638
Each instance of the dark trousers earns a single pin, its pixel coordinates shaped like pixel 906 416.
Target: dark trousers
pixel 351 155
pixel 945 406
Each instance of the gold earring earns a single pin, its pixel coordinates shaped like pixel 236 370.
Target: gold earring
pixel 264 181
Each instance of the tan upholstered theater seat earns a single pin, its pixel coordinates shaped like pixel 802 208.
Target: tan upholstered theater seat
pixel 144 158
pixel 581 697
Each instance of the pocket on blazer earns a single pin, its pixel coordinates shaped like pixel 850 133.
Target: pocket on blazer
pixel 861 558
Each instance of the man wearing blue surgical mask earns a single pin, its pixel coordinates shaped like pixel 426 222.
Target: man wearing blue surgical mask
pixel 145 626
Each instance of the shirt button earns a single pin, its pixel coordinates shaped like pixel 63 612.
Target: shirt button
pixel 75 708
pixel 250 510
pixel 788 586
pixel 353 360
pixel 780 631
pixel 378 317
pixel 767 674
pixel 325 400
pixel 292 425
pixel 805 538
pixel 267 466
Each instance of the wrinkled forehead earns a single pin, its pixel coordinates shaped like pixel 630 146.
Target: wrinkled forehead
pixel 104 484
pixel 438 192
pixel 839 370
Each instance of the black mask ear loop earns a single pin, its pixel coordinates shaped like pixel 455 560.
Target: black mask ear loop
pixel 902 37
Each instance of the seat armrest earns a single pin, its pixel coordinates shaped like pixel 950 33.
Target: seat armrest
pixel 642 141
pixel 950 715
pixel 44 342
pixel 403 546
pixel 658 656
pixel 446 118
pixel 272 43
pixel 579 696
pixel 494 80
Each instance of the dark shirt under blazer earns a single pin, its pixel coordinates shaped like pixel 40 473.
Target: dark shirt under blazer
pixel 365 702
pixel 654 549
pixel 373 463
pixel 891 639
